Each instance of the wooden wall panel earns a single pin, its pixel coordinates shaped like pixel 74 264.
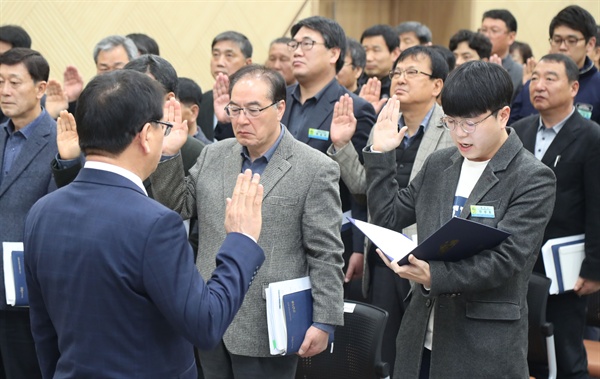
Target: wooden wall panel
pixel 65 32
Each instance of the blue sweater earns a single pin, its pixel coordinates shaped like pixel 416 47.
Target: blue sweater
pixel 589 93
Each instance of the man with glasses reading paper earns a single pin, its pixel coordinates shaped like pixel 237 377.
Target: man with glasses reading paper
pixel 462 315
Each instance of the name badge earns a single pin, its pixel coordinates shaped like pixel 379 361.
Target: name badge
pixel 323 135
pixel 484 211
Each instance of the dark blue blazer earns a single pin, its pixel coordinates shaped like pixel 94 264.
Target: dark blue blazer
pixel 113 288
pixel 29 179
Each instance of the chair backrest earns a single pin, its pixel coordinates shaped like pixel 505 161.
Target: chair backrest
pixel 356 348
pixel 537 299
pixel 593 312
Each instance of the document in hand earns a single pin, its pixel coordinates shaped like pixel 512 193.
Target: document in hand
pixel 457 239
pixel 289 314
pixel 14 274
pixel 562 261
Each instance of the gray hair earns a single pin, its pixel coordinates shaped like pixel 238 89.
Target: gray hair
pixel 111 42
pixel 422 31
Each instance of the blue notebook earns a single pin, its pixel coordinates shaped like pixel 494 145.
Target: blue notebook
pixel 22 297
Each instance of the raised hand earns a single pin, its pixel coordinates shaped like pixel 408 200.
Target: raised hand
pixel 528 69
pixel 496 59
pixel 243 213
pixel 221 97
pixel 179 133
pixel 343 122
pixel 371 92
pixel 73 83
pixel 386 136
pixel 56 99
pixel 67 139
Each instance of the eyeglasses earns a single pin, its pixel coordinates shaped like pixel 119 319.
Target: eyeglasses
pixel 492 31
pixel 467 126
pixel 569 41
pixel 250 112
pixel 306 44
pixel 410 73
pixel 167 126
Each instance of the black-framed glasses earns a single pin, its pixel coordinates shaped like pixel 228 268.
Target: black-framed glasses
pixel 167 126
pixel 306 44
pixel 409 73
pixel 467 126
pixel 569 41
pixel 250 112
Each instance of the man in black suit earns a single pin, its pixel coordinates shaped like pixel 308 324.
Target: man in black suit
pixel 230 52
pixel 319 48
pixel 567 143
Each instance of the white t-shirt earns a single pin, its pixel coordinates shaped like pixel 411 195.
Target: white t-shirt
pixel 469 176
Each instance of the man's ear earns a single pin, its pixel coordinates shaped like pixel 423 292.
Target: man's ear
pixel 195 109
pixel 357 72
pixel 40 88
pixel 143 136
pixel 248 61
pixel 169 96
pixel 335 55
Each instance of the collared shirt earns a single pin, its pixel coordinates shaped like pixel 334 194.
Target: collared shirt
pixel 408 140
pixel 299 112
pixel 259 164
pixel 117 170
pixel 15 140
pixel 545 136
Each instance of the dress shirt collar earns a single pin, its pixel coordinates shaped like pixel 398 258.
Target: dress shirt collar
pixel 117 170
pixel 556 127
pixel 27 131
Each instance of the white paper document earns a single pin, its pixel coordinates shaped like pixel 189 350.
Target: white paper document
pixel 9 277
pixel 395 245
pixel 562 259
pixel 276 323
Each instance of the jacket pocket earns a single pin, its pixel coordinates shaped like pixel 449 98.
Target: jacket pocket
pixel 493 311
pixel 281 200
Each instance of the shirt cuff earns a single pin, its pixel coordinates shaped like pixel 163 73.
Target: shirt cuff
pixel 324 327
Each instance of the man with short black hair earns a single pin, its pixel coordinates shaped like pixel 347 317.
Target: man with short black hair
pixel 230 51
pixel 465 319
pixel 572 33
pixel 382 47
pixel 569 144
pixel 27 144
pixel 500 26
pixel 190 97
pixel 470 46
pixel 113 289
pixel 13 36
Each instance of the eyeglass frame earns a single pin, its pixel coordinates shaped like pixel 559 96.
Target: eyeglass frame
pixel 460 123
pixel 305 45
pixel 492 31
pixel 567 41
pixel 245 109
pixel 168 126
pixel 393 73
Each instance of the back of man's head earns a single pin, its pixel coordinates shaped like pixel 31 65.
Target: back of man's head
pixel 476 87
pixel 36 64
pixel 447 54
pixel 439 67
pixel 576 18
pixel 15 35
pixel 271 77
pixel 357 53
pixel 333 35
pixel 504 15
pixel 110 42
pixel 388 34
pixel 189 91
pixel 476 41
pixel 160 69
pixel 422 32
pixel 241 40
pixel 145 44
pixel 113 108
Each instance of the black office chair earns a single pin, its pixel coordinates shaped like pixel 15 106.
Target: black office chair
pixel 356 348
pixel 541 355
